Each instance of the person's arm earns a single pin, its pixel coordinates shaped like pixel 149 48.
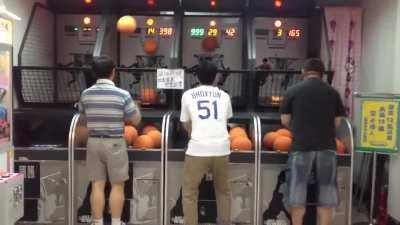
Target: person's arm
pixel 340 110
pixel 188 127
pixel 132 112
pixel 185 116
pixel 286 119
pixel 230 111
pixel 286 110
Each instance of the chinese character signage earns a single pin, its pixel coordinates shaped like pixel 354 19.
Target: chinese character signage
pixel 379 124
pixel 170 78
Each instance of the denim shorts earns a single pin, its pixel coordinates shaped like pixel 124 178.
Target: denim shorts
pixel 301 165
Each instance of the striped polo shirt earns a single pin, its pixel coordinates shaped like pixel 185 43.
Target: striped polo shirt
pixel 106 108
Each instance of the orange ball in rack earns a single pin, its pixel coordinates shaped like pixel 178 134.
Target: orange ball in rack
pixel 148 95
pixel 144 142
pixel 285 132
pixel 156 136
pixel 150 46
pixel 241 143
pixel 237 132
pixel 148 128
pixel 130 135
pixel 340 147
pixel 283 144
pixel 126 24
pixel 269 139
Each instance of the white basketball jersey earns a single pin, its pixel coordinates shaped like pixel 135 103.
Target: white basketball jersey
pixel 208 108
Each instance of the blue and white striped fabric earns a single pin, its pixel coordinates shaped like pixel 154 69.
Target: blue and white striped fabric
pixel 106 107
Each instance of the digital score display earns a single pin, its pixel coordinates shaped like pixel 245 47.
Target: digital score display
pixel 278 34
pixel 201 32
pixel 231 32
pixel 165 31
pixel 197 32
pixel 162 31
pixel 294 34
pixel 212 32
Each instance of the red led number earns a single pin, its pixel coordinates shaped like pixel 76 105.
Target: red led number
pixel 295 33
pixel 165 31
pixel 230 32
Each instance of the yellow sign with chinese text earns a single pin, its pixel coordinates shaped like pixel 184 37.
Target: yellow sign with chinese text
pixel 5 31
pixel 379 123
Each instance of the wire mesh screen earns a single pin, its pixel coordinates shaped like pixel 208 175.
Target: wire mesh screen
pixel 234 83
pixel 142 85
pixel 272 85
pixel 49 85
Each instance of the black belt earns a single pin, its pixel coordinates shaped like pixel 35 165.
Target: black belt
pixel 104 136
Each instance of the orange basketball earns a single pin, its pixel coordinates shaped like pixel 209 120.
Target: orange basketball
pixel 269 139
pixel 209 44
pixel 150 46
pixel 148 128
pixel 148 95
pixel 130 134
pixel 237 132
pixel 285 132
pixel 144 142
pixel 282 143
pixel 241 143
pixel 340 147
pixel 156 136
pixel 81 136
pixel 126 24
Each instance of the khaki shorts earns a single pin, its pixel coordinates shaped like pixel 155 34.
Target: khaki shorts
pixel 107 157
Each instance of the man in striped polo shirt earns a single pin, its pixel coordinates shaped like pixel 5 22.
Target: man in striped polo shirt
pixel 107 108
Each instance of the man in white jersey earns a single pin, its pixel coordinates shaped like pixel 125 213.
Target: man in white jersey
pixel 204 114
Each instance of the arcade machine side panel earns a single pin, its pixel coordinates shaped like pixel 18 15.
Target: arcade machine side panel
pixel 226 30
pixel 5 96
pixel 11 184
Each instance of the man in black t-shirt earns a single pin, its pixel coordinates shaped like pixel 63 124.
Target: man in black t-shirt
pixel 312 109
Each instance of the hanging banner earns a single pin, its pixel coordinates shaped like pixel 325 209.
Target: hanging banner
pixel 378 125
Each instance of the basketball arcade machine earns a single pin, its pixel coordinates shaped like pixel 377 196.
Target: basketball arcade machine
pixel 215 31
pixel 286 33
pixel 59 190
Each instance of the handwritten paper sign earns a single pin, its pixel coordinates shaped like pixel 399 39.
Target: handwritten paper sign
pixel 170 78
pixel 379 124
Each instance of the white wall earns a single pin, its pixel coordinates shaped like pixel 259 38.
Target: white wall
pixel 380 69
pixel 23 9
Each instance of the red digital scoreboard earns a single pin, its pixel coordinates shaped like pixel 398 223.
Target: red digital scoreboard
pixel 294 34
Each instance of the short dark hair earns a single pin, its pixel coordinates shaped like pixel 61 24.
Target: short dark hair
pixel 314 65
pixel 206 72
pixel 265 60
pixel 103 66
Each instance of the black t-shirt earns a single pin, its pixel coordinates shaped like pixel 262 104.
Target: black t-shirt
pixel 313 106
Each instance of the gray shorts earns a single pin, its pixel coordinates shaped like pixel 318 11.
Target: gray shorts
pixel 107 157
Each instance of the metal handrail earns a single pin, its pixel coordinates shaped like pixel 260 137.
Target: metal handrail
pixel 71 170
pixel 164 144
pixel 165 171
pixel 351 151
pixel 257 148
